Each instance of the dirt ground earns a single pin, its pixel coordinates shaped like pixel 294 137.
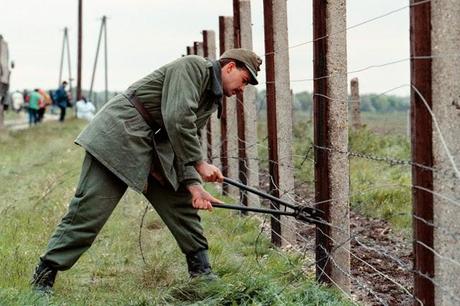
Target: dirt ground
pixel 384 264
pixel 380 262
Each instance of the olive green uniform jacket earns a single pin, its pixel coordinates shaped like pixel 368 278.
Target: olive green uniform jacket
pixel 180 97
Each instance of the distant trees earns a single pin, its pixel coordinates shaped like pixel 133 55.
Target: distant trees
pixel 369 102
pixel 384 103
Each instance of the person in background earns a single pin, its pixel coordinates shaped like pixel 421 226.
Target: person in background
pixel 85 109
pixel 17 100
pixel 25 94
pixel 62 100
pixel 54 108
pixel 35 99
pixel 46 100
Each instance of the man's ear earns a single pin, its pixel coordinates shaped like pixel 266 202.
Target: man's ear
pixel 230 66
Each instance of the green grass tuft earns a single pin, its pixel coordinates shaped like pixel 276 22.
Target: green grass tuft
pixel 378 189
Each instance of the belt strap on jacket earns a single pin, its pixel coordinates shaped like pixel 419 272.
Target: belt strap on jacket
pixel 144 113
pixel 156 170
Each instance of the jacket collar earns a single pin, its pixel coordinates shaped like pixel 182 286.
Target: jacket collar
pixel 216 86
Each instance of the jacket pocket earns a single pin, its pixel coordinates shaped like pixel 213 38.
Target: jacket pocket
pixel 136 126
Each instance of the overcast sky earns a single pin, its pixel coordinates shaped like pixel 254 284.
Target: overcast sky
pixel 145 34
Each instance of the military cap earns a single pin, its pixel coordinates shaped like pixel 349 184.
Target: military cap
pixel 248 58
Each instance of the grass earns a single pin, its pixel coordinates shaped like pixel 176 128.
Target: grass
pixel 378 189
pixel 12 115
pixel 386 123
pixel 39 169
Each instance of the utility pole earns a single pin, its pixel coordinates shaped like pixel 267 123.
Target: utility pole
pixel 64 39
pixel 102 31
pixel 65 45
pixel 80 26
pixel 104 20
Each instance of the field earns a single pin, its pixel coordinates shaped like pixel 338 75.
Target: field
pixel 379 186
pixel 39 168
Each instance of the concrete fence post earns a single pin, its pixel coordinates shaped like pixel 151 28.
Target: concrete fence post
pixel 279 116
pixel 229 129
pixel 330 138
pixel 198 50
pixel 213 126
pixel 355 104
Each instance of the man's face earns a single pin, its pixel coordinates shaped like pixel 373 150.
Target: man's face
pixel 233 79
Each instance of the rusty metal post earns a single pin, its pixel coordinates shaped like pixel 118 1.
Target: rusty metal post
pixel 229 129
pixel 80 43
pixel 279 115
pixel 330 138
pixel 213 128
pixel 355 104
pixel 246 108
pixel 242 158
pixel 422 150
pixel 435 33
pixel 198 48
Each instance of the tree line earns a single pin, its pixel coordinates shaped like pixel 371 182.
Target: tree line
pixel 302 101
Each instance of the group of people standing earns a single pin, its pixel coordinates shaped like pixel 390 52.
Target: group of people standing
pixel 37 101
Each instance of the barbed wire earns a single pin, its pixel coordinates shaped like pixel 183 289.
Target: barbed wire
pixel 438 129
pixel 348 274
pixel 352 26
pixel 373 268
pixel 141 225
pixel 401 264
pixel 390 161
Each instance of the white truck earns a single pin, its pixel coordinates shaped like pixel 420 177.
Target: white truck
pixel 4 76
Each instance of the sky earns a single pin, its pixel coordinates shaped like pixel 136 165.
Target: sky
pixel 143 35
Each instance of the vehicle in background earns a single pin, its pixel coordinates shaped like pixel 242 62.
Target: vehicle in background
pixel 4 69
pixel 4 77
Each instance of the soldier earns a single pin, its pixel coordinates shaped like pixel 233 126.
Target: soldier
pixel 148 139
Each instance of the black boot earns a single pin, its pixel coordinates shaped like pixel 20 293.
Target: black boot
pixel 43 278
pixel 198 265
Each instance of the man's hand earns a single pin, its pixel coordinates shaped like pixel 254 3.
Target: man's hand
pixel 208 172
pixel 201 199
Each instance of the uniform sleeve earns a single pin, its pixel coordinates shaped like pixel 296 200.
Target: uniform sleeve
pixel 181 94
pixel 188 175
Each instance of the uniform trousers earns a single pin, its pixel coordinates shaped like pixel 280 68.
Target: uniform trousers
pixel 97 194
